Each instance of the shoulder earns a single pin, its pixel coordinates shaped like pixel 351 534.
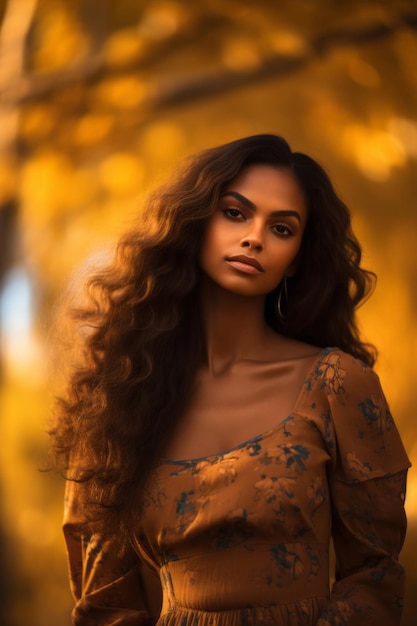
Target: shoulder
pixel 338 374
pixel 345 401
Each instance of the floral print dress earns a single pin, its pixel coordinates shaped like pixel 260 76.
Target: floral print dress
pixel 241 538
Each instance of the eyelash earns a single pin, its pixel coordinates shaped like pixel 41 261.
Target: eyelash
pixel 289 231
pixel 228 212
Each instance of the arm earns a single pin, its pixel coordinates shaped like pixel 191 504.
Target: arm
pixel 366 474
pixel 105 577
pixel 368 532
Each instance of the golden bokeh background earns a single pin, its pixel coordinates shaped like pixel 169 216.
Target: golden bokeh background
pixel 99 100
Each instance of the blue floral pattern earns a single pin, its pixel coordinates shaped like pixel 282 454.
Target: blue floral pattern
pixel 242 537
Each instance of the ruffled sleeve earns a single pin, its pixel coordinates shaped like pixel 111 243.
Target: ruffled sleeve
pixel 105 578
pixel 367 477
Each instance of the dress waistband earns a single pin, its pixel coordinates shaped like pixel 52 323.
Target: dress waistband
pixel 232 579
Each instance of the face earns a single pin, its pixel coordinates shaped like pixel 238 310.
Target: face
pixel 253 237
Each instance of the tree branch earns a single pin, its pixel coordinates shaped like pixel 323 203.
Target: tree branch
pixel 177 90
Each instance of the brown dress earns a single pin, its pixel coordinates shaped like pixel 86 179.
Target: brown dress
pixel 241 538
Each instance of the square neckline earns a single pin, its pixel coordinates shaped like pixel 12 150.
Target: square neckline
pixel 222 453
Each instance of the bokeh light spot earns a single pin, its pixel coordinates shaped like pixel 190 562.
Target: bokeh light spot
pixel 287 42
pixel 241 54
pixel 37 121
pixel 123 46
pixel 405 130
pixel 160 20
pixel 122 173
pixel 92 128
pixel 375 151
pixel 126 92
pixel 60 40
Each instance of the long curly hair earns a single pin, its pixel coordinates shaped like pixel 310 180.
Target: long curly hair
pixel 140 333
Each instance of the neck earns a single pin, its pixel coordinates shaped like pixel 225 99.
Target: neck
pixel 235 327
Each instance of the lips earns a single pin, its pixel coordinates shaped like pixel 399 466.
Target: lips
pixel 242 260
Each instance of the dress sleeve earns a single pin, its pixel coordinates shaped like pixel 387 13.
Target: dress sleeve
pixel 367 479
pixel 368 533
pixel 105 579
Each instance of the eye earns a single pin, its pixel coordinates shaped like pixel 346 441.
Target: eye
pixel 283 230
pixel 233 213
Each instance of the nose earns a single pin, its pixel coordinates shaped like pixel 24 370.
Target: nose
pixel 253 239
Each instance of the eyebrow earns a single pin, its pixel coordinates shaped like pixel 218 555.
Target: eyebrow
pixel 253 207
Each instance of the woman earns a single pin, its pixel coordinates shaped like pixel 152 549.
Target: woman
pixel 212 430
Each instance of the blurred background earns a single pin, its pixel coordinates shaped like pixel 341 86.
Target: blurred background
pixel 99 100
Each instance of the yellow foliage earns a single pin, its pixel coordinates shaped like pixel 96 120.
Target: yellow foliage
pixel 375 151
pixel 43 179
pixel 123 46
pixel 125 92
pixel 286 41
pixel 161 19
pixel 90 150
pixel 51 184
pixel 37 121
pixel 405 130
pixel 31 500
pixel 60 38
pixel 92 128
pixel 241 53
pixel 122 173
pixel 162 140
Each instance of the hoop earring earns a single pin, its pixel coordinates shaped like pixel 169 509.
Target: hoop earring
pixel 283 295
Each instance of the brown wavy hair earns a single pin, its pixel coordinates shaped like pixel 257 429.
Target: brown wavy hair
pixel 140 333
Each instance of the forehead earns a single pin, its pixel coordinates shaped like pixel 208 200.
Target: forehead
pixel 269 186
